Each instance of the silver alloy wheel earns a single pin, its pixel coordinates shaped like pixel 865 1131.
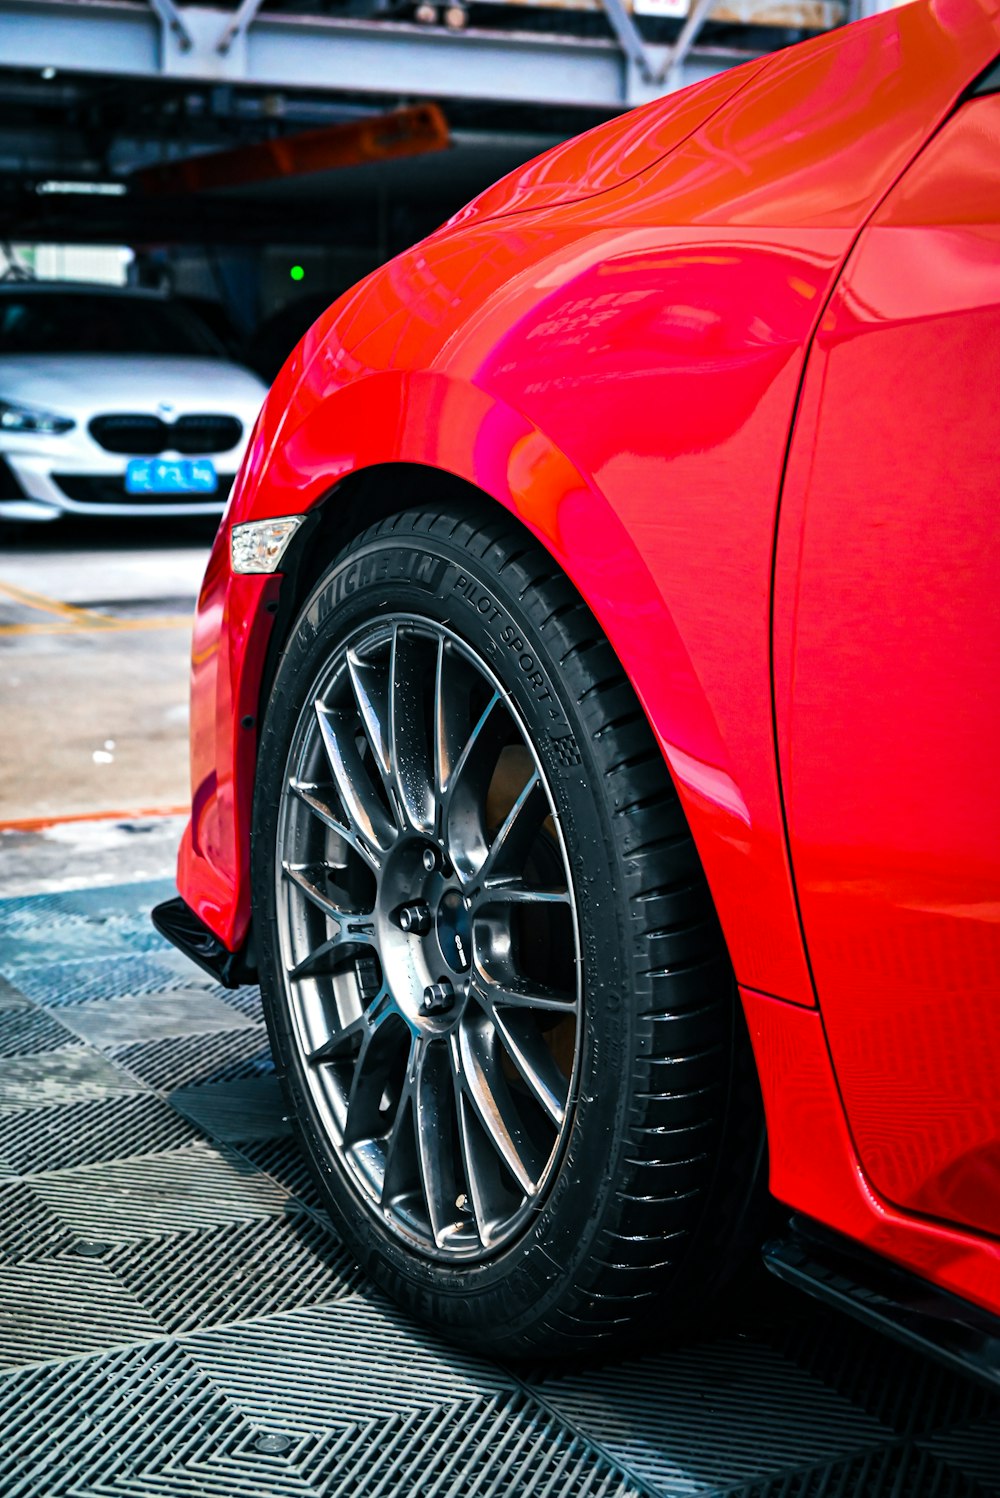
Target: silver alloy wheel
pixel 429 938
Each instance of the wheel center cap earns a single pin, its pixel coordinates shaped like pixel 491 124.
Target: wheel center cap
pixel 454 931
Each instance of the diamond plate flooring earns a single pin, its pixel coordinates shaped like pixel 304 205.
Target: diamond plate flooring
pixel 178 1317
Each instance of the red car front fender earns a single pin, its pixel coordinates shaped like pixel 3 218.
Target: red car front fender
pixel 433 421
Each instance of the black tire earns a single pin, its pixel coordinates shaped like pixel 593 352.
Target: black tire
pixel 656 1196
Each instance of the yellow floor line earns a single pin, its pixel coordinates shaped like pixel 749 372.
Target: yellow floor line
pixel 97 624
pixel 47 605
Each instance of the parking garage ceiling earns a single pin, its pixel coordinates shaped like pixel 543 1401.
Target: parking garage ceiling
pixel 93 93
pixel 73 150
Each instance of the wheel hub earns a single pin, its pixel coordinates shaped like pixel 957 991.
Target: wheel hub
pixel 425 938
pixel 453 926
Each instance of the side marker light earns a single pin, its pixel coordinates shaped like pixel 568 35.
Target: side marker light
pixel 259 545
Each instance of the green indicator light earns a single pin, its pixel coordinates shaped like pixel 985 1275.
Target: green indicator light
pixel 297 273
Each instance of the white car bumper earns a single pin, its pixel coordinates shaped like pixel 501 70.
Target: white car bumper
pixel 70 475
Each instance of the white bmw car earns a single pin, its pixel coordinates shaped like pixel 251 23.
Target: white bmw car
pixel 115 402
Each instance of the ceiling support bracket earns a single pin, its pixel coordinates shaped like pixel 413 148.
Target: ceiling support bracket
pixel 173 25
pixel 656 65
pixel 238 26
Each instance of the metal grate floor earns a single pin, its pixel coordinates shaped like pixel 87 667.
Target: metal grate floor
pixel 177 1316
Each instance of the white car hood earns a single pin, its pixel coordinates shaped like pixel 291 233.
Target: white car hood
pixel 85 384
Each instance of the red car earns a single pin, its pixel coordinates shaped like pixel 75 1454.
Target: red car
pixel 595 715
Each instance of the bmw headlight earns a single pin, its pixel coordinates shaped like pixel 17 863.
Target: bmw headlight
pixel 29 419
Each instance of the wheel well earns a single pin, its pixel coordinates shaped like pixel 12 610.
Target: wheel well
pixel 358 501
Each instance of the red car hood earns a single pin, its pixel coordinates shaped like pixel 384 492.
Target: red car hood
pixel 610 154
pixel 882 84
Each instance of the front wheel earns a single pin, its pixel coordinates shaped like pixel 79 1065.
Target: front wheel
pixel 496 988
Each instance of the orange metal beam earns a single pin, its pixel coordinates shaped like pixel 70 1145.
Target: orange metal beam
pixel 384 137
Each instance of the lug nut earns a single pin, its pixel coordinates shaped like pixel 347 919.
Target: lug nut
pixel 415 919
pixel 438 997
pixel 430 860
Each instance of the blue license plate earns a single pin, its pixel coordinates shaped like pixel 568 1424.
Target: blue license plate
pixel 170 476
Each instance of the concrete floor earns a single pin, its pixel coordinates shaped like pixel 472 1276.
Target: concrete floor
pixel 94 642
pixel 91 851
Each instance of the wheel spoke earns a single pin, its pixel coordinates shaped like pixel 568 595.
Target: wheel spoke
pixel 535 1063
pixel 451 717
pixel 487 1090
pixel 328 958
pixel 370 681
pixel 434 1104
pixel 306 877
pixel 514 891
pixel 353 782
pixel 472 1165
pixel 381 1041
pixel 513 839
pixel 463 810
pixel 400 1171
pixel 357 1031
pixel 410 766
pixel 355 928
pixel 535 996
pixel 480 741
pixel 307 793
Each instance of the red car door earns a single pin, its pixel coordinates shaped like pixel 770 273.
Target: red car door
pixel 887 678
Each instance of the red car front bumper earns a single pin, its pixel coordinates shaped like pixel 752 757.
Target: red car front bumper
pixel 232 630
